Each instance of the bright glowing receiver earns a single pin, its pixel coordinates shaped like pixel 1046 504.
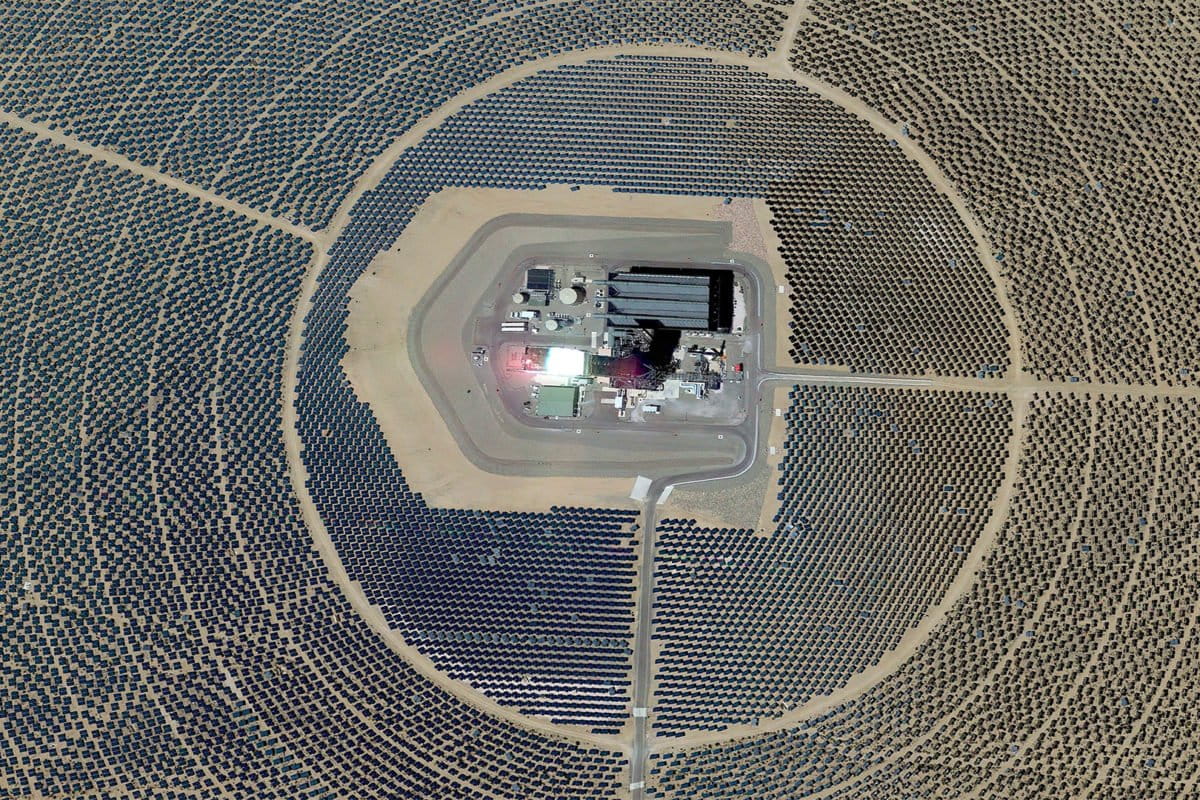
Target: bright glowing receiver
pixel 564 362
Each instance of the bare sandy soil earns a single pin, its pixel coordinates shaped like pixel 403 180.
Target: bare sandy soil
pixel 771 460
pixel 748 502
pixel 783 312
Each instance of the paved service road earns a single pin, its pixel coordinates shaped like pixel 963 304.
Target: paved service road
pixel 761 377
pixel 750 431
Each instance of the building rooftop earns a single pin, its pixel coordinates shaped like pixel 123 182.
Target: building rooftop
pixel 558 401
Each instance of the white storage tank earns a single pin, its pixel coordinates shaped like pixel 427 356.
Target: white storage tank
pixel 572 295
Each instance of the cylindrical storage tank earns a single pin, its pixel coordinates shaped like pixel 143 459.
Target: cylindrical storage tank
pixel 552 324
pixel 572 295
pixel 520 298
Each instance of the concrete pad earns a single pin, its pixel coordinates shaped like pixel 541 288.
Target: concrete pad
pixel 641 488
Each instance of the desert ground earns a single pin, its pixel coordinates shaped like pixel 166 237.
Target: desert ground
pixel 419 437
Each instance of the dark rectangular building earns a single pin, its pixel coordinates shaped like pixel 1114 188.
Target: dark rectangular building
pixel 671 298
pixel 539 280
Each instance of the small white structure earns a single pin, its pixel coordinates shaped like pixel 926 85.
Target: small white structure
pixel 564 362
pixel 617 402
pixel 641 488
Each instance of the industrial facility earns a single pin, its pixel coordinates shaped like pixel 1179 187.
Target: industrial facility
pixel 630 342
